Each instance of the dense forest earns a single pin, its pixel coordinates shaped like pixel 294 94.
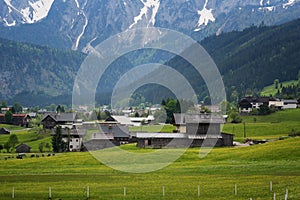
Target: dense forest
pixel 36 75
pixel 248 60
pixel 255 57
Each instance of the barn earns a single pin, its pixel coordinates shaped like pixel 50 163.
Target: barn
pixel 194 130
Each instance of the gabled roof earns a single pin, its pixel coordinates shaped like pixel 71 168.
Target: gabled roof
pixel 16 115
pixel 161 135
pixel 245 103
pixel 290 101
pixel 182 119
pixel 123 120
pixel 23 144
pixel 102 136
pixel 117 130
pixel 4 130
pixel 255 99
pixel 204 118
pixel 61 117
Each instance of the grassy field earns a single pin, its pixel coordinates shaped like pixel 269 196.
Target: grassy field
pixel 250 168
pixel 270 90
pixel 271 126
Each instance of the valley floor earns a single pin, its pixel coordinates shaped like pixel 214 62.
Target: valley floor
pixel 71 175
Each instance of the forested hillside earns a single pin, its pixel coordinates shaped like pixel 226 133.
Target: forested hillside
pixel 248 61
pixel 36 75
pixel 255 57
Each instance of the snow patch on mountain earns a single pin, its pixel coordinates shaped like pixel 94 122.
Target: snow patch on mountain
pixel 9 24
pixel 206 15
pixel 30 12
pixel 264 2
pixel 289 3
pixel 149 5
pixel 267 8
pixel 86 21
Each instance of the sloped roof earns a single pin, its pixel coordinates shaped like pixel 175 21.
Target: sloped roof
pixel 116 130
pixel 182 119
pixel 4 130
pixel 123 120
pixel 161 135
pixel 204 118
pixel 102 136
pixel 16 115
pixel 61 117
pixel 23 145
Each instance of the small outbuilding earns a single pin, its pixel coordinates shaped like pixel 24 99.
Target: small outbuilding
pixel 23 148
pixel 4 131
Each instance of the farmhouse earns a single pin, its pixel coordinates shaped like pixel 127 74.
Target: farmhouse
pixel 290 104
pixel 50 120
pixel 201 130
pixel 100 141
pixel 23 148
pixel 110 134
pixel 247 104
pixel 17 119
pixel 72 135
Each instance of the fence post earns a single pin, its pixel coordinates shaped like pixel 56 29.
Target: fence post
pixel 271 186
pixel 88 192
pixel 235 189
pixel 286 194
pixel 13 192
pixel 163 191
pixel 198 190
pixel 124 191
pixel 50 193
pixel 274 197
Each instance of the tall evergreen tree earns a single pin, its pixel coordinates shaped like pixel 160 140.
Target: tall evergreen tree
pixel 58 144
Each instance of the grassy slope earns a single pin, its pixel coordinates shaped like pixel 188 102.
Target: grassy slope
pixel 270 90
pixel 251 168
pixel 30 137
pixel 266 127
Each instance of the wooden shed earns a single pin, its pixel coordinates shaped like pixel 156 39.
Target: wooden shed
pixel 23 148
pixel 4 131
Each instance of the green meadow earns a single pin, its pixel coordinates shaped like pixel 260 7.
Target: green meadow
pixel 271 90
pixel 250 169
pixel 269 127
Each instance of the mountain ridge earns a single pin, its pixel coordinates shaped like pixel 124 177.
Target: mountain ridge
pixel 248 60
pixel 79 24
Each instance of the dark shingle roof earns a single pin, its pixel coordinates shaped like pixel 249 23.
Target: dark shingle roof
pixel 181 119
pixel 61 117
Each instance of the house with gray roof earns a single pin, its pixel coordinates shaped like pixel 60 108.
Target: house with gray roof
pixel 201 130
pixel 50 120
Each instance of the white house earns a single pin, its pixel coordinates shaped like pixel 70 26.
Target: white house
pixel 289 104
pixel 276 103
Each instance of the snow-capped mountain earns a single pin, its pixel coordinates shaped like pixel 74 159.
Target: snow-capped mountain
pixel 78 24
pixel 26 12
